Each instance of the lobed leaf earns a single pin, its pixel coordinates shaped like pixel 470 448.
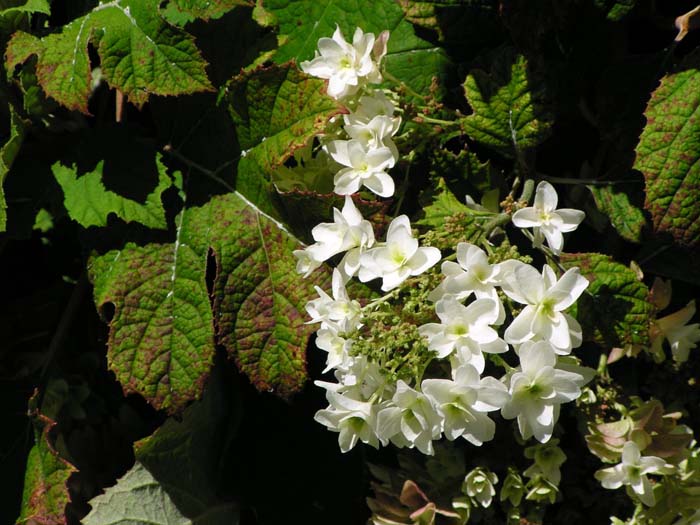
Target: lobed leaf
pixel 140 54
pixel 162 334
pixel 625 217
pixel 509 112
pixel 89 203
pixel 615 310
pixel 276 110
pixel 409 58
pixel 668 154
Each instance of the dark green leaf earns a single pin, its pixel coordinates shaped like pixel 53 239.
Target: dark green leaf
pixel 409 58
pixel 509 112
pixel 615 310
pixel 626 218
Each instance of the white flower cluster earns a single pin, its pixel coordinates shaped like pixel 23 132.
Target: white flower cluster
pixel 364 405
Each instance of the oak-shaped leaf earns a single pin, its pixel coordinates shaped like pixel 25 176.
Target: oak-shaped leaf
pixel 140 55
pixel 410 59
pixel 277 110
pixel 89 203
pixel 509 109
pixel 164 327
pixel 615 310
pixel 668 154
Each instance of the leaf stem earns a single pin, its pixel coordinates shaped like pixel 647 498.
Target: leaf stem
pixel 190 163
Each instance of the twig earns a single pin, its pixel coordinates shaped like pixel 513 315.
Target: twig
pixel 205 171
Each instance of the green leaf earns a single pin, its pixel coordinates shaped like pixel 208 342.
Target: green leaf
pixel 616 9
pixel 140 54
pixel 277 110
pixel 8 152
pixel 162 334
pixel 509 112
pixel 180 11
pixel 410 59
pixel 668 154
pixel 444 205
pixel 136 499
pixel 45 494
pixel 160 342
pixel 428 13
pixel 625 217
pixel 185 453
pixel 615 310
pixel 89 203
pixel 30 6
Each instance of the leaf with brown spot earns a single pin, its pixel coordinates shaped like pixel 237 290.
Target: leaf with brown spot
pixel 45 494
pixel 162 334
pixel 140 55
pixel 668 154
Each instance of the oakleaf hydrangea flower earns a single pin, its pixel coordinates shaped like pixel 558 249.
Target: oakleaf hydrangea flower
pixel 364 166
pixel 370 106
pixel 471 274
pixel 374 134
pixel 545 298
pixel 632 472
pixel 339 312
pixel 347 66
pixel 464 402
pixel 537 389
pixel 479 485
pixel 349 232
pixel 681 336
pixel 337 347
pixel 546 220
pixel 465 331
pixel 548 459
pixel 353 419
pixel 409 420
pixel 399 258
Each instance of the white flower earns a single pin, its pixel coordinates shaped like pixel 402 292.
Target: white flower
pixel 353 419
pixel 409 420
pixel 479 484
pixel 545 299
pixel 537 389
pixel 362 379
pixel 346 66
pixel 349 232
pixel 339 312
pixel 681 336
pixel 369 107
pixel 364 167
pixel 463 404
pixel 632 471
pixel 374 134
pixel 399 258
pixel 548 222
pixel 337 347
pixel 464 330
pixel 472 273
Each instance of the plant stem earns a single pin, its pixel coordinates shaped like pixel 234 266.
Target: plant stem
pixel 212 175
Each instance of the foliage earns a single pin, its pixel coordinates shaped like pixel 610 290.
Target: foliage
pixel 170 218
